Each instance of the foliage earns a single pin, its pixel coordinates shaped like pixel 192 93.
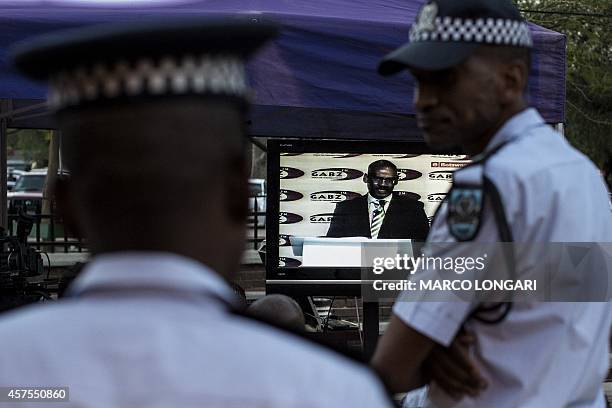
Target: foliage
pixel 589 68
pixel 29 144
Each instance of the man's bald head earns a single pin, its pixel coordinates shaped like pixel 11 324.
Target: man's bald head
pixel 279 310
pixel 150 175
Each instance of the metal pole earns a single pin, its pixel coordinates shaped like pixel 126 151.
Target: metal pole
pixel 370 328
pixel 5 108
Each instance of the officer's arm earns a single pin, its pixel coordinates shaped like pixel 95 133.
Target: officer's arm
pixel 406 359
pixel 399 356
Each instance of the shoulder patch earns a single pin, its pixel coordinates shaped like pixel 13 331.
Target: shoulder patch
pixel 465 205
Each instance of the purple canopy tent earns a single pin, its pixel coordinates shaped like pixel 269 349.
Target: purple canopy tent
pixel 317 80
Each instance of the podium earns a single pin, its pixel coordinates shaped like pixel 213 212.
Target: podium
pixel 345 252
pixel 349 253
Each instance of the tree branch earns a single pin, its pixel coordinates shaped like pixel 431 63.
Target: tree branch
pixel 580 90
pixel 587 117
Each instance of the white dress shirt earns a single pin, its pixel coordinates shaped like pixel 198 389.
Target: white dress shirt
pixel 542 354
pixel 155 330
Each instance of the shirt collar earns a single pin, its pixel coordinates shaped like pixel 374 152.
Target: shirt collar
pixel 126 270
pixel 387 199
pixel 515 127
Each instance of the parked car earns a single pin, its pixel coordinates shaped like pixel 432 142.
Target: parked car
pixel 12 176
pixel 27 192
pixel 18 164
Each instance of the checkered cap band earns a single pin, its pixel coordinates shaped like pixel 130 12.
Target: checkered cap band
pixel 214 75
pixel 484 31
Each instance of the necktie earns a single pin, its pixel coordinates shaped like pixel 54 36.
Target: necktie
pixel 377 218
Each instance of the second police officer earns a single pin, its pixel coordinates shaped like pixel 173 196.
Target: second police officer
pixel 471 61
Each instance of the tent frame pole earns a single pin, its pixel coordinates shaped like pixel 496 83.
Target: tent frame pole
pixel 5 112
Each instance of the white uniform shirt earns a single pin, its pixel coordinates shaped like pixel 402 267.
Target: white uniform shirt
pixel 543 354
pixel 154 330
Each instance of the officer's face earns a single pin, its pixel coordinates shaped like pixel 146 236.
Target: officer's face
pixel 381 182
pixel 459 107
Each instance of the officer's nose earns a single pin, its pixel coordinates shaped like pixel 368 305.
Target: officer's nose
pixel 425 97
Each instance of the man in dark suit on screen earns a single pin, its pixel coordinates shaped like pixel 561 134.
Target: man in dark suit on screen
pixel 380 213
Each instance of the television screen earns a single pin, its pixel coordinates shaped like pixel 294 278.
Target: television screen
pixel 335 189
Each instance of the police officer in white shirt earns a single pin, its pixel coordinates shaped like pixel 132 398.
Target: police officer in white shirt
pixel 152 116
pixel 528 185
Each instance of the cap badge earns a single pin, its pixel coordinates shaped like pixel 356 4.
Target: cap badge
pixel 427 17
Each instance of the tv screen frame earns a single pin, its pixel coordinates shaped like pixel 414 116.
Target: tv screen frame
pixel 332 281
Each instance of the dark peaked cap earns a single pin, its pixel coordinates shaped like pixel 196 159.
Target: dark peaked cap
pixel 446 32
pixel 149 58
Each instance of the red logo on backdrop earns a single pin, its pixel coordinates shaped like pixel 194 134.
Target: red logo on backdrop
pixel 336 174
pixel 408 174
pixel 452 165
pixel 290 173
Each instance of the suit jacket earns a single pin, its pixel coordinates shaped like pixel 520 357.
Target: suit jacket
pixel 405 219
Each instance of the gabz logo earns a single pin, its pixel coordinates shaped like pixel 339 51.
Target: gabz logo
pixel 409 194
pixel 289 218
pixel 436 197
pixel 290 173
pixel 441 175
pixel 333 196
pixel 321 218
pixel 285 262
pixel 288 195
pixel 284 240
pixel 408 174
pixel 337 174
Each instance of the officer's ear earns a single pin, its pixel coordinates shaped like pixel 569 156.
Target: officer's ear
pixel 514 76
pixel 365 178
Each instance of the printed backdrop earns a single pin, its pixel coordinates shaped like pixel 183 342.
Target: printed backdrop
pixel 312 183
